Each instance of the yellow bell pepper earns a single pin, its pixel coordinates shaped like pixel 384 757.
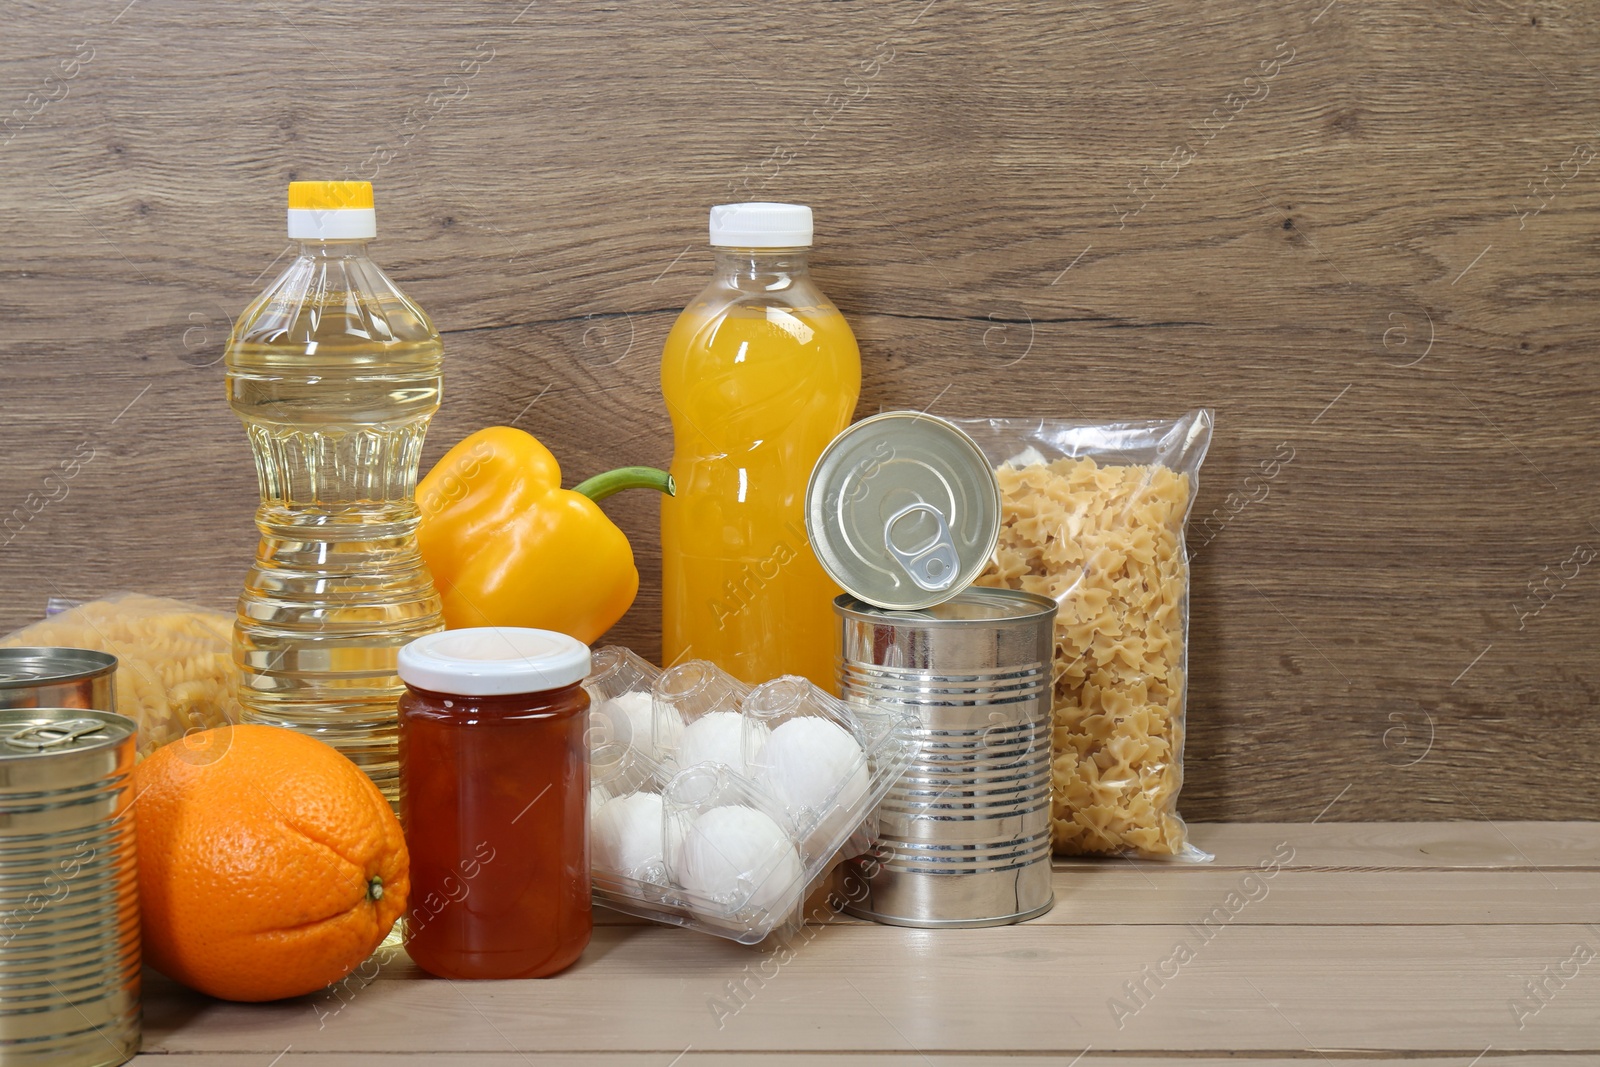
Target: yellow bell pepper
pixel 509 547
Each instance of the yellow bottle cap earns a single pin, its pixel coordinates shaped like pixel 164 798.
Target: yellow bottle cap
pixel 331 211
pixel 330 196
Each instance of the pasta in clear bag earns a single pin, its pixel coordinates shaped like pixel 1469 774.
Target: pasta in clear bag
pixel 1093 516
pixel 175 668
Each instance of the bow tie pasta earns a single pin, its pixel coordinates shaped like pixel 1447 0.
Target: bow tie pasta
pixel 1106 543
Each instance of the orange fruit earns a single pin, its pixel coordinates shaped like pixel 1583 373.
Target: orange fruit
pixel 269 864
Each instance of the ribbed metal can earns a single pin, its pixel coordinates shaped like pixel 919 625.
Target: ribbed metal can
pixel 69 905
pixel 57 678
pixel 964 835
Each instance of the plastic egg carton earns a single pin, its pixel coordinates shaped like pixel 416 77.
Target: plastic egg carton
pixel 719 806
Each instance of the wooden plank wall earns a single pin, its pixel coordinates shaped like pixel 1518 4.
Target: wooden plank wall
pixel 1364 233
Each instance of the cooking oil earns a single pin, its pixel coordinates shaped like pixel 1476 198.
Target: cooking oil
pixel 335 374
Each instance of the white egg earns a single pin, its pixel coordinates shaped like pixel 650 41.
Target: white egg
pixel 619 735
pixel 816 766
pixel 625 837
pixel 739 857
pixel 637 708
pixel 608 723
pixel 718 737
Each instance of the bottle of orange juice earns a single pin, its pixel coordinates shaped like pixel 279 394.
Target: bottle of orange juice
pixel 759 373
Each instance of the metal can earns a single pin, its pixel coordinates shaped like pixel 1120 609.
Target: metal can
pixel 69 905
pixel 903 510
pixel 964 835
pixel 57 678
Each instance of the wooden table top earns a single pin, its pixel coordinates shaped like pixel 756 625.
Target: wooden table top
pixel 1457 942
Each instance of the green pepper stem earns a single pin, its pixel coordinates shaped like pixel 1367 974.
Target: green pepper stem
pixel 603 485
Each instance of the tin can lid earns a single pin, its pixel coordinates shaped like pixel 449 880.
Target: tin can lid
pixel 493 661
pixel 26 732
pixel 903 510
pixel 24 668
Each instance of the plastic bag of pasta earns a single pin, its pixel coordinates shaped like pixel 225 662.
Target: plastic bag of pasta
pixel 175 667
pixel 1093 515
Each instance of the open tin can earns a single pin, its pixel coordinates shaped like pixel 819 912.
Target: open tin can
pixel 69 905
pixel 964 835
pixel 903 511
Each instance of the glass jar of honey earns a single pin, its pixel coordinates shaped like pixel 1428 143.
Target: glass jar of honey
pixel 494 785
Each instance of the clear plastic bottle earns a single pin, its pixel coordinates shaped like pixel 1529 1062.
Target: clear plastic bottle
pixel 335 374
pixel 759 373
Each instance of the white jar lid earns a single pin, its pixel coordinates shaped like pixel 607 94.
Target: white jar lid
pixel 486 661
pixel 758 225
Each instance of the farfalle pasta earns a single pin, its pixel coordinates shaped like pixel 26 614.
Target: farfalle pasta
pixel 1098 527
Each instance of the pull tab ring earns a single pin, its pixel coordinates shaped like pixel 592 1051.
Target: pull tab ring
pixel 933 566
pixel 40 736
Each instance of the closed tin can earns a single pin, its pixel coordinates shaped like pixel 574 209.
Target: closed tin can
pixel 964 835
pixel 57 678
pixel 69 905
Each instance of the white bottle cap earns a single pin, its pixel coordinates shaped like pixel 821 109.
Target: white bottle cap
pixel 332 224
pixel 331 211
pixel 486 661
pixel 761 226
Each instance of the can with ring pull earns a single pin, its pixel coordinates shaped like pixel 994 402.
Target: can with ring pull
pixel 69 906
pixel 903 511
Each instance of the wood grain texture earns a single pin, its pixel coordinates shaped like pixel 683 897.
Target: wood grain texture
pixel 1359 949
pixel 1473 845
pixel 1318 219
pixel 839 1059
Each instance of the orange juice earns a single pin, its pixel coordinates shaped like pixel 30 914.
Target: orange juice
pixel 759 373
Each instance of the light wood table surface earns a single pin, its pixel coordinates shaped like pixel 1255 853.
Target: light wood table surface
pixel 1358 942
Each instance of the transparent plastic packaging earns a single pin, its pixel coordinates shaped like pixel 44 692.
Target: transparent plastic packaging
pixel 335 374
pixel 723 807
pixel 1093 516
pixel 175 670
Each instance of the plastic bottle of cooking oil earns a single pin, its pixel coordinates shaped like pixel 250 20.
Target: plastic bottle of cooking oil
pixel 759 373
pixel 335 374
